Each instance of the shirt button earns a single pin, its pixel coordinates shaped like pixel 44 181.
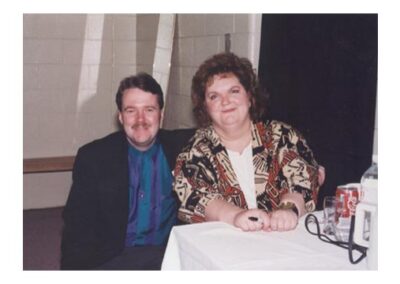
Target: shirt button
pixel 141 194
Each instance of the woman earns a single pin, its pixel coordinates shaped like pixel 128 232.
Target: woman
pixel 237 169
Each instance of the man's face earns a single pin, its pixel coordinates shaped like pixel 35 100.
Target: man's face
pixel 140 116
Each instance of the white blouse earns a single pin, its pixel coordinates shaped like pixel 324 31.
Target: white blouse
pixel 242 164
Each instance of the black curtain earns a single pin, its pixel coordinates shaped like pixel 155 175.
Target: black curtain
pixel 320 71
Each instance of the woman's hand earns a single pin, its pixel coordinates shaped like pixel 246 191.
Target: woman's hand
pixel 283 220
pixel 251 220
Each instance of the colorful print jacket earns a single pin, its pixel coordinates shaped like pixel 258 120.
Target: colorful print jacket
pixel 283 163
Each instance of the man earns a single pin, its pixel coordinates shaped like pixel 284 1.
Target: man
pixel 121 207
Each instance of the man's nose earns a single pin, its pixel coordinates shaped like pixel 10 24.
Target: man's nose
pixel 140 115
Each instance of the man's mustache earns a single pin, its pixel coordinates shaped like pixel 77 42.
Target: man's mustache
pixel 143 124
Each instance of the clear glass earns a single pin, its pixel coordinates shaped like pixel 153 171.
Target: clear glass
pixel 331 208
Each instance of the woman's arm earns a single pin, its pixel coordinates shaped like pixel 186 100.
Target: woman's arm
pixel 220 210
pixel 301 177
pixel 247 220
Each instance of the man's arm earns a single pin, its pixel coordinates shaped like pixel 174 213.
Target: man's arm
pixel 77 247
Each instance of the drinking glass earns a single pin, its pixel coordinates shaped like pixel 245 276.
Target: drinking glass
pixel 342 229
pixel 330 205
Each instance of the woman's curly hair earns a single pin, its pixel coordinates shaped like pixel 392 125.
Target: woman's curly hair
pixel 225 63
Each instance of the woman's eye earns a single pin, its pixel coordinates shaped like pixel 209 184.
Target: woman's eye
pixel 212 96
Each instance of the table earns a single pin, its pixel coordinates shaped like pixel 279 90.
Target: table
pixel 219 246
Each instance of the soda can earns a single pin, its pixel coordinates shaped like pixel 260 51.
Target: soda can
pixel 349 195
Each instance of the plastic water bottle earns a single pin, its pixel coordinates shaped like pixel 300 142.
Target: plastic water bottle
pixel 366 225
pixel 369 183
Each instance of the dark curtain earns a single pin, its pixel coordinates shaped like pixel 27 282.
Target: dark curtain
pixel 320 71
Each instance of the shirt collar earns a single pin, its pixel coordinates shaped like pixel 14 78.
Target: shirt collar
pixel 149 152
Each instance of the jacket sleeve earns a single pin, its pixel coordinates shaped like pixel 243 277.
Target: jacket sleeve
pixel 195 185
pixel 298 167
pixel 77 247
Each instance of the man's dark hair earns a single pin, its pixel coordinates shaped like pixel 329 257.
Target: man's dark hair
pixel 141 81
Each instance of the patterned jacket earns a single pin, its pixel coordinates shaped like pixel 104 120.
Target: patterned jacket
pixel 283 163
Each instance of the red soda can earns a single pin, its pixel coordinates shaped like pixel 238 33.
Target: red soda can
pixel 349 194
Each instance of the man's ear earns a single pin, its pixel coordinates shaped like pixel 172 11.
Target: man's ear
pixel 161 117
pixel 120 117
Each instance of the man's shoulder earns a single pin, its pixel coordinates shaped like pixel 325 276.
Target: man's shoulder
pixel 111 141
pixel 179 136
pixel 173 141
pixel 179 132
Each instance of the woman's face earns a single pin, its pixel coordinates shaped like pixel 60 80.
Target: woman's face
pixel 227 102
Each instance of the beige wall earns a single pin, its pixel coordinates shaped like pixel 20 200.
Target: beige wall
pixel 73 65
pixel 198 36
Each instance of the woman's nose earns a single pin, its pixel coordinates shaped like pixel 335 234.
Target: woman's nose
pixel 224 99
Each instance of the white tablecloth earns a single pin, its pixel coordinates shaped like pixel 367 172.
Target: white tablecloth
pixel 219 246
